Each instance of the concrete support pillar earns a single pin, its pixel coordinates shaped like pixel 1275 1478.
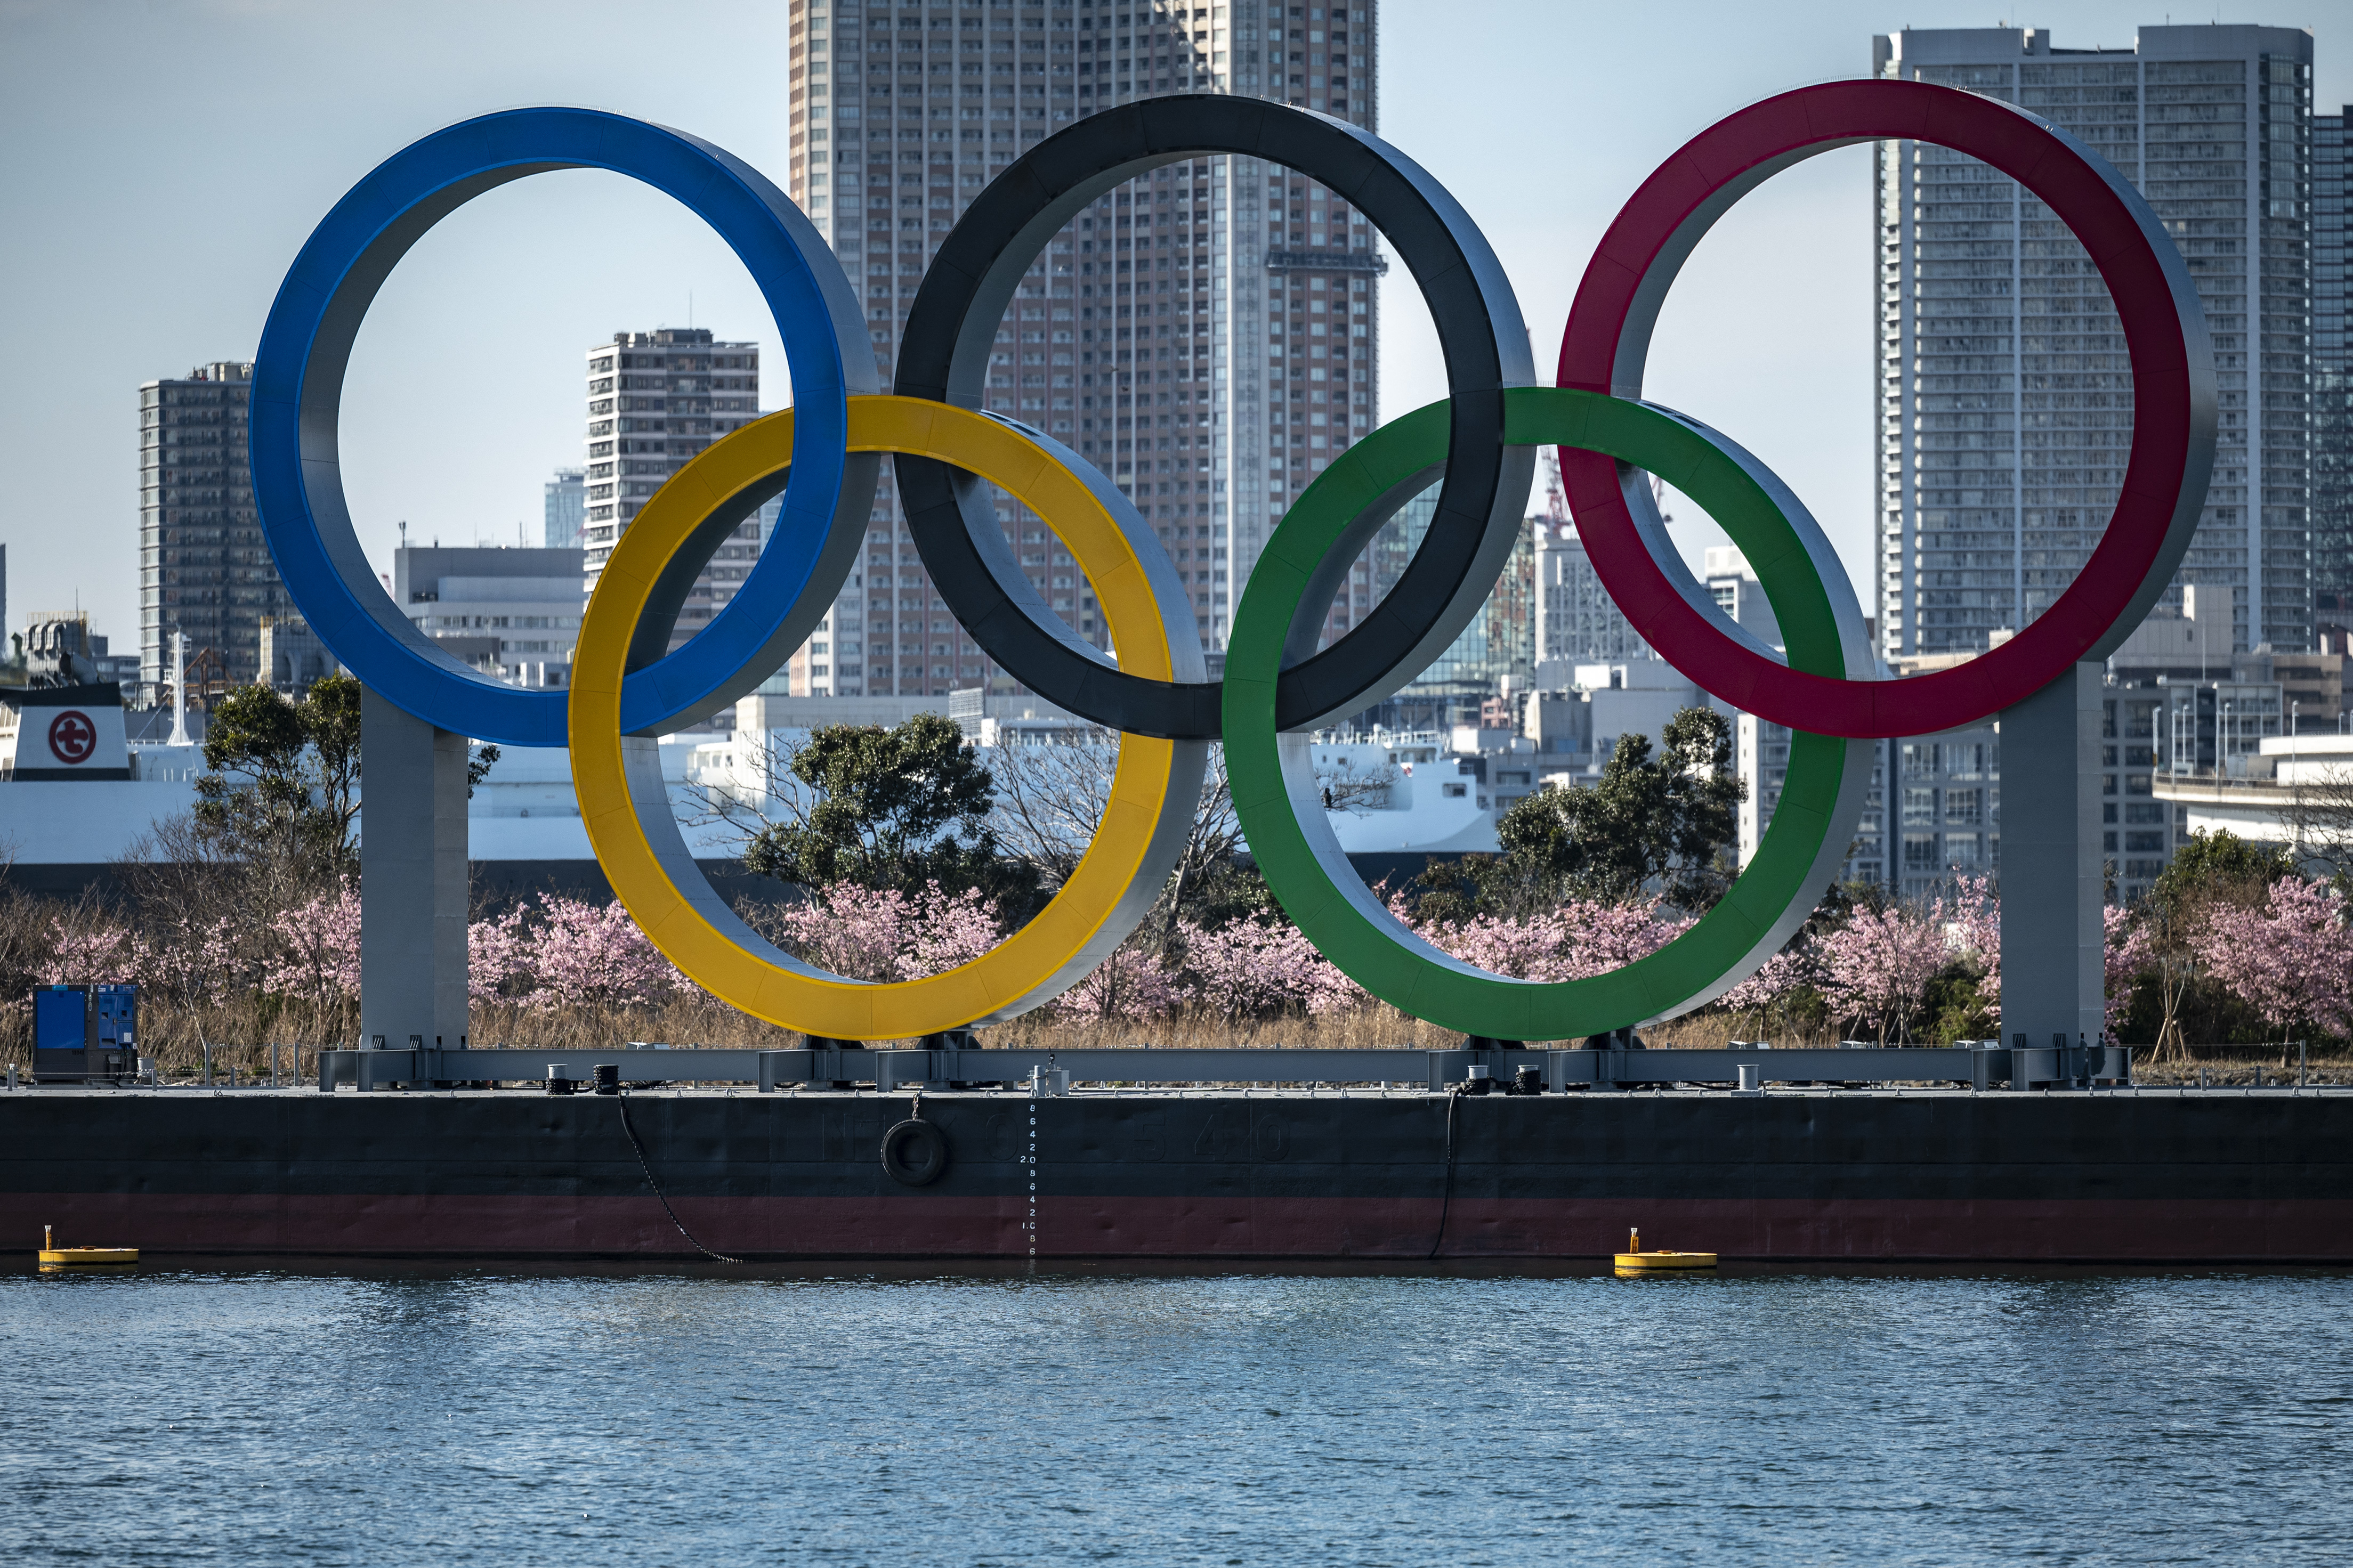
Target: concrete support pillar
pixel 2053 887
pixel 412 880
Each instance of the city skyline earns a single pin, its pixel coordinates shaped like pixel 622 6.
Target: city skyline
pixel 463 350
pixel 1148 334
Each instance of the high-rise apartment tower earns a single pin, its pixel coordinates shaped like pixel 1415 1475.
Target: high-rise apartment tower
pixel 204 567
pixel 1206 335
pixel 655 399
pixel 2005 399
pixel 2332 387
pixel 566 509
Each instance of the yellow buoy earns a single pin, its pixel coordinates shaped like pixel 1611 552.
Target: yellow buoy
pixel 56 1257
pixel 1634 1260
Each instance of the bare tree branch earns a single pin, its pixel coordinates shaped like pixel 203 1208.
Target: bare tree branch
pixel 2320 819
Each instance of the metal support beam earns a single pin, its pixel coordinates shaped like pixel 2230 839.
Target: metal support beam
pixel 2052 886
pixel 412 881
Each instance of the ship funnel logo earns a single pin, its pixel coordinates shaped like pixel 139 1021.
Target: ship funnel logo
pixel 72 736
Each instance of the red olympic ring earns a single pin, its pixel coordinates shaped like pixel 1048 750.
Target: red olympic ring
pixel 2172 451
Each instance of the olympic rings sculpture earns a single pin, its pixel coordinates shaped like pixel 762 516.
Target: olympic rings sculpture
pixel 1479 445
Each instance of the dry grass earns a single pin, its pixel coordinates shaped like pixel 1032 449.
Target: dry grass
pixel 240 1033
pixel 1366 1028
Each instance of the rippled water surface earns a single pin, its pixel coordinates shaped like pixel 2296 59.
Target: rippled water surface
pixel 517 1418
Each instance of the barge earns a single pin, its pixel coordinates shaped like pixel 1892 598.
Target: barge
pixel 2100 1174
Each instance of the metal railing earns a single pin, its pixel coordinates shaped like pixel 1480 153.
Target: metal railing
pixel 828 1065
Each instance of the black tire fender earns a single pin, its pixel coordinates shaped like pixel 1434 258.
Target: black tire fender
pixel 915 1153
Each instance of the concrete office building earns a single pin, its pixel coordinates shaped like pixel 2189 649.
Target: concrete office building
pixel 2004 412
pixel 204 567
pixel 566 509
pixel 1490 666
pixel 2332 391
pixel 511 613
pixel 1576 621
pixel 1205 334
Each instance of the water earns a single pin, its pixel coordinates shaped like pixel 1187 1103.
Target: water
pixel 855 1418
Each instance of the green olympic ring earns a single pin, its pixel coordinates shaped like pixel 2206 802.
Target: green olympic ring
pixel 1272 781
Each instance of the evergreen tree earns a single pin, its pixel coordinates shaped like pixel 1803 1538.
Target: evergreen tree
pixel 897 808
pixel 281 776
pixel 1653 822
pixel 1659 822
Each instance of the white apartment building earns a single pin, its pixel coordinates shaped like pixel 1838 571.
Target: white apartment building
pixel 655 399
pixel 2005 397
pixel 1206 335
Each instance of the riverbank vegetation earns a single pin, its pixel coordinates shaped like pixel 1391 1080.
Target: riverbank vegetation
pixel 904 856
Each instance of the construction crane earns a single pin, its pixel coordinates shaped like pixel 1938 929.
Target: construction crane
pixel 1557 496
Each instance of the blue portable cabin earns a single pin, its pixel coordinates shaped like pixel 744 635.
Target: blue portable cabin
pixel 85 1034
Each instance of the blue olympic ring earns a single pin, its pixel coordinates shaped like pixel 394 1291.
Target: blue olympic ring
pixel 298 380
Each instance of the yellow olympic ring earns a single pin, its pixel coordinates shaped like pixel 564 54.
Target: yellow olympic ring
pixel 626 810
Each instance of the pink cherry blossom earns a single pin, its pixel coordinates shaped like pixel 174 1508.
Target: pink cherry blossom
pixel 89 956
pixel 583 955
pixel 889 935
pixel 1259 969
pixel 1132 984
pixel 317 949
pixel 1580 939
pixel 1784 974
pixel 192 963
pixel 2130 950
pixel 498 959
pixel 1876 967
pixel 2291 960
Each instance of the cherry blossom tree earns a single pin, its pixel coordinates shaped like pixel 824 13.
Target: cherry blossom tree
pixel 586 954
pixel 193 961
pixel 86 954
pixel 888 935
pixel 1973 927
pixel 1582 938
pixel 1604 936
pixel 498 959
pixel 2130 953
pixel 1876 967
pixel 317 953
pixel 1132 983
pixel 2291 958
pixel 1534 947
pixel 1257 969
pixel 1794 968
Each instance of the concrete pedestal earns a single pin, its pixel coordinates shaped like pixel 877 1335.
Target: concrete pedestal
pixel 411 881
pixel 2053 883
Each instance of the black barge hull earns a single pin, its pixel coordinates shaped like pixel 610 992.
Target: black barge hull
pixel 2127 1177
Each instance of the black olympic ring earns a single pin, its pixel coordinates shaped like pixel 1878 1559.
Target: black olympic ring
pixel 944 356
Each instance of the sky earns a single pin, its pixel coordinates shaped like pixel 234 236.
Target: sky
pixel 161 163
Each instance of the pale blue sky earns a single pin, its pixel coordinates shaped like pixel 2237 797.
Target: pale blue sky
pixel 161 163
